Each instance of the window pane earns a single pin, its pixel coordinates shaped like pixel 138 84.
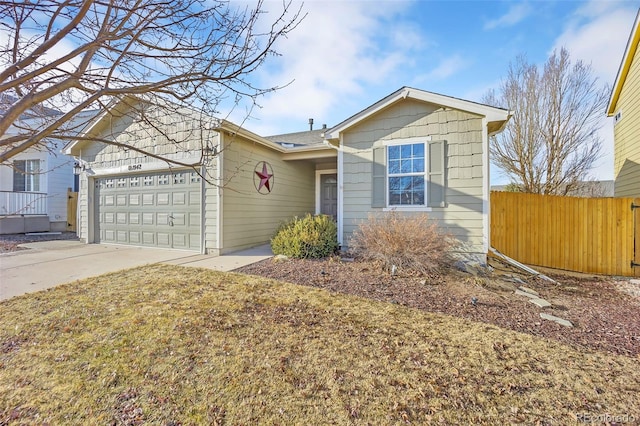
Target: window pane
pixel 418 198
pixel 405 166
pixel 394 198
pixel 418 183
pixel 405 151
pixel 418 165
pixel 33 177
pixel 394 166
pixel 418 150
pixel 18 175
pixel 394 184
pixel 394 152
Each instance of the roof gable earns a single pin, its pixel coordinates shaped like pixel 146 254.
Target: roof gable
pixel 493 115
pixel 625 65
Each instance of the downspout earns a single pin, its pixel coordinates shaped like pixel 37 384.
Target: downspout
pixel 340 189
pixel 203 208
pixel 219 200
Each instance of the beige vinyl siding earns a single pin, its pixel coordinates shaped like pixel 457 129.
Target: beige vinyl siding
pixel 627 134
pixel 85 198
pixel 177 137
pixel 250 218
pixel 409 119
pixel 211 197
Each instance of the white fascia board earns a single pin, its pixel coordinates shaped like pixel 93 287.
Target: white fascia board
pixel 234 129
pixel 625 66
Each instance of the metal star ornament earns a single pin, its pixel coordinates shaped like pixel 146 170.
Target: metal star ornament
pixel 263 178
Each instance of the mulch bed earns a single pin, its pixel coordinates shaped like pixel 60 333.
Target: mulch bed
pixel 604 315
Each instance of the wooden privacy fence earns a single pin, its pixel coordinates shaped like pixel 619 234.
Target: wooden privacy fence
pixel 592 235
pixel 72 210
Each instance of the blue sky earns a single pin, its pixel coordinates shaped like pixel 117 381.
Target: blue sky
pixel 346 55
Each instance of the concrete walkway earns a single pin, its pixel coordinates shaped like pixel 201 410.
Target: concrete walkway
pixel 50 263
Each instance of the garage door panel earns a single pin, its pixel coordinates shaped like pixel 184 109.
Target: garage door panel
pixel 163 199
pixel 147 218
pixel 162 219
pixel 134 218
pixel 163 239
pixel 179 198
pixel 156 209
pixel 178 219
pixel 194 198
pixel 179 240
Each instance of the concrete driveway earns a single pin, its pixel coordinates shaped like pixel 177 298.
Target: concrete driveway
pixel 50 263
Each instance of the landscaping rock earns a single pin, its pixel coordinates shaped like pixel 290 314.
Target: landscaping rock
pixel 540 302
pixel 554 318
pixel 280 258
pixel 515 279
pixel 473 267
pixel 528 290
pixel 527 294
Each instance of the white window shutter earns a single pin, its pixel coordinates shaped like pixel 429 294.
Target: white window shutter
pixel 379 177
pixel 436 174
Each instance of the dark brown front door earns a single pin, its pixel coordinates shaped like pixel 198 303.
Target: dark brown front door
pixel 329 195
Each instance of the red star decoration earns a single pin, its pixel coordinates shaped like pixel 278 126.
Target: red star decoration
pixel 265 178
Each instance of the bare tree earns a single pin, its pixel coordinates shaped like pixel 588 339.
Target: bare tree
pixel 551 142
pixel 61 57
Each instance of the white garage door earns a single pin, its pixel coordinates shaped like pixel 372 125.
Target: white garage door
pixel 153 210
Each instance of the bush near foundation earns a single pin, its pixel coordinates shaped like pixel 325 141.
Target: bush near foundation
pixel 411 243
pixel 310 237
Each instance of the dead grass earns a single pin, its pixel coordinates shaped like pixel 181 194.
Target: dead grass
pixel 171 345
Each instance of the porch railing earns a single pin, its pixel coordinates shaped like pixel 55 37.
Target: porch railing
pixel 23 203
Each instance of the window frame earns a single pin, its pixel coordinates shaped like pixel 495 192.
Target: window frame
pixel 30 175
pixel 424 141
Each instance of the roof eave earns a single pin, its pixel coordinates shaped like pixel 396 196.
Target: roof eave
pixel 235 129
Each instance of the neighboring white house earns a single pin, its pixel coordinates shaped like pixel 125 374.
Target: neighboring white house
pixel 413 151
pixel 33 188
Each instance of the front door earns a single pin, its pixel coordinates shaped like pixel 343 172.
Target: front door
pixel 329 195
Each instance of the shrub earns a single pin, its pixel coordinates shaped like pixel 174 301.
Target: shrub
pixel 411 243
pixel 307 237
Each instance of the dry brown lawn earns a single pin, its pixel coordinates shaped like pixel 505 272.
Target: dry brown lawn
pixel 170 345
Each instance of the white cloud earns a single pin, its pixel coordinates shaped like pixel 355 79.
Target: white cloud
pixel 445 69
pixel 516 13
pixel 597 34
pixel 335 52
